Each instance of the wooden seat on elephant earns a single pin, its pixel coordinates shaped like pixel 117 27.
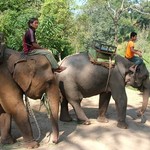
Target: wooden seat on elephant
pixel 102 54
pixel 104 48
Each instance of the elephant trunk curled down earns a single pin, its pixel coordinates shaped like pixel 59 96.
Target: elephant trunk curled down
pixel 32 77
pixel 83 79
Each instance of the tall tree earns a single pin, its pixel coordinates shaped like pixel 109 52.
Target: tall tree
pixel 14 15
pixel 57 21
pixel 117 8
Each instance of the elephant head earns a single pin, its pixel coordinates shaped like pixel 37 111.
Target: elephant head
pixel 139 79
pixel 33 75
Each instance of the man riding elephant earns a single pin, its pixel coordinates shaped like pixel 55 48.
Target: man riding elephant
pixel 31 47
pixel 131 51
pixel 32 77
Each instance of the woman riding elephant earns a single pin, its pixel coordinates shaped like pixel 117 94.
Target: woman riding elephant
pixel 31 76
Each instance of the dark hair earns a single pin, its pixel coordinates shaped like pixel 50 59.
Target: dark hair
pixel 133 34
pixel 31 21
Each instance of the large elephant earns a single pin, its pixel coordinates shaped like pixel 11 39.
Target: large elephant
pixel 83 79
pixel 31 76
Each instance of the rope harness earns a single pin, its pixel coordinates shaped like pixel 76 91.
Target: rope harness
pixel 31 114
pixel 109 73
pixel 44 101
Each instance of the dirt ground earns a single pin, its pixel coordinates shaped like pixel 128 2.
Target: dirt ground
pixel 97 136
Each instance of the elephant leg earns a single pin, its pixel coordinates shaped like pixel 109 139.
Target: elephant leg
pixel 73 96
pixel 5 127
pixel 54 98
pixel 82 118
pixel 22 120
pixel 20 116
pixel 121 106
pixel 118 93
pixel 64 112
pixel 104 100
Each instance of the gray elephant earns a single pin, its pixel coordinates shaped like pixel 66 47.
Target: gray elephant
pixel 31 76
pixel 83 79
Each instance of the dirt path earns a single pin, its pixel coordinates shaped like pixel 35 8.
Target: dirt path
pixel 97 136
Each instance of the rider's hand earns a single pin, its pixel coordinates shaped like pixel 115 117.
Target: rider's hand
pixel 139 53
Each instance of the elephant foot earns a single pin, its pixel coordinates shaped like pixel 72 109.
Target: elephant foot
pixel 8 140
pixel 87 122
pixel 31 144
pixel 122 125
pixel 65 119
pixel 53 139
pixel 102 119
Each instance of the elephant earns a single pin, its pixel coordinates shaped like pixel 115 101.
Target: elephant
pixel 84 79
pixel 32 76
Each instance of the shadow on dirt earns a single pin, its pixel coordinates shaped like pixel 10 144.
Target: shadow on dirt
pixel 92 113
pixel 96 131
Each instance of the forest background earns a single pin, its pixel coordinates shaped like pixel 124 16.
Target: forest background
pixel 71 26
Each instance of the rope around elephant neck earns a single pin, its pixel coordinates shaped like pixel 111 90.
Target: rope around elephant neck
pixel 110 63
pixel 31 114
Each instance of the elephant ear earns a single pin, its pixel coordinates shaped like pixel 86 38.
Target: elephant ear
pixel 23 73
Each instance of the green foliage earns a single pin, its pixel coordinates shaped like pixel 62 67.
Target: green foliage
pixel 142 44
pixel 121 48
pixel 51 31
pixel 93 24
pixel 65 30
pixel 56 22
pixel 13 25
pixel 16 5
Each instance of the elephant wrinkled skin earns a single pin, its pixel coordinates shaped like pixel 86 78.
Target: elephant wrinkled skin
pixel 83 79
pixel 33 77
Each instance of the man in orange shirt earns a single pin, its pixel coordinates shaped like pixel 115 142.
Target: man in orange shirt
pixel 131 52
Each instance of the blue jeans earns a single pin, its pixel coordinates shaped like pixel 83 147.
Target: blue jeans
pixel 136 60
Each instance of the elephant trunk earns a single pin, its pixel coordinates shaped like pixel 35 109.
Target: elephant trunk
pixel 146 93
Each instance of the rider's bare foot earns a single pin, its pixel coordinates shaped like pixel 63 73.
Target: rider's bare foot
pixel 60 69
